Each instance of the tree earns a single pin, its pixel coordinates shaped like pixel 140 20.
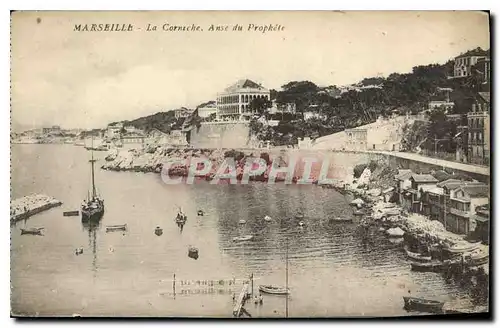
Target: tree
pixel 259 105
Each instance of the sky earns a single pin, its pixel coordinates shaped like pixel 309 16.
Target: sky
pixel 88 79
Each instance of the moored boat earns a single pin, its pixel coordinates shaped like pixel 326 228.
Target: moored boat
pixel 479 259
pixel 158 231
pixel 243 238
pixel 427 266
pixel 32 231
pixel 71 213
pixel 417 256
pixel 193 252
pixel 276 290
pixel 181 218
pixel 463 248
pixel 422 305
pixel 339 219
pixel 93 208
pixel 117 227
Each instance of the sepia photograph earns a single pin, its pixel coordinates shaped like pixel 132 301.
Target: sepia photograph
pixel 250 164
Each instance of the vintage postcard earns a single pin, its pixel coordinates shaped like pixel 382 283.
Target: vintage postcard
pixel 258 164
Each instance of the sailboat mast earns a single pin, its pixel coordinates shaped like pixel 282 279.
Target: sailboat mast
pixel 92 163
pixel 286 282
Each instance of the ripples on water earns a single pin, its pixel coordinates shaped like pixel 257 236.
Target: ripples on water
pixel 334 269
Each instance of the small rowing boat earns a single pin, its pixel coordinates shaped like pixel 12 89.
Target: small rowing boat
pixel 417 256
pixel 32 231
pixel 276 290
pixel 463 248
pixel 422 305
pixel 117 227
pixel 243 238
pixel 193 252
pixel 427 266
pixel 341 219
pixel 71 213
pixel 200 213
pixel 479 259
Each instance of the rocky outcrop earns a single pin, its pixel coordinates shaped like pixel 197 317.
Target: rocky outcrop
pixel 23 208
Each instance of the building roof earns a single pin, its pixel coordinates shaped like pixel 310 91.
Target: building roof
pixel 450 183
pixel 423 178
pixel 211 103
pixel 435 190
pixel 441 175
pixel 477 191
pixel 480 218
pixel 475 52
pixel 184 109
pixel 403 175
pixel 427 188
pixel 244 84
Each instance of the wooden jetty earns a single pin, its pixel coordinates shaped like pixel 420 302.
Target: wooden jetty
pixel 240 301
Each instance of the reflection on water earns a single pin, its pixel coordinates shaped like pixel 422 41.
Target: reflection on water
pixel 91 227
pixel 335 269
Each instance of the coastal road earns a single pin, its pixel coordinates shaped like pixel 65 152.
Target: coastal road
pixel 483 170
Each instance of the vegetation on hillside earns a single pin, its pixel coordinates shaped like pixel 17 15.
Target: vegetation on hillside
pixel 371 98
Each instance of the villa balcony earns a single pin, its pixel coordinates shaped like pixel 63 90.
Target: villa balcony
pixel 458 212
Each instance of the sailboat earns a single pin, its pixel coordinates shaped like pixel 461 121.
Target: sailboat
pixel 278 290
pixel 93 207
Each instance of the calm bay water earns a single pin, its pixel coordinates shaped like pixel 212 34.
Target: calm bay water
pixel 334 269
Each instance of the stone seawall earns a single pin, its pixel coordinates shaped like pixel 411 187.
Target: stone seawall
pixel 221 135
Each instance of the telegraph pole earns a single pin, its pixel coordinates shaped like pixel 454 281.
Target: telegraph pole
pixel 286 283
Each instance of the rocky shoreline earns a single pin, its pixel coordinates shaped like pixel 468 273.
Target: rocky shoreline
pixel 23 208
pixel 153 158
pixel 420 232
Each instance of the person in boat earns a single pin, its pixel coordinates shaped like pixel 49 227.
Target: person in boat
pixel 261 299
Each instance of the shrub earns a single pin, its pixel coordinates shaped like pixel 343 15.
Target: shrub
pixel 372 166
pixel 358 170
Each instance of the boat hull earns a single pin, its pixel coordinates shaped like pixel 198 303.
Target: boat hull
pixel 417 256
pixel 422 305
pixel 31 232
pixel 94 214
pixel 464 249
pixel 341 220
pixel 116 228
pixel 427 266
pixel 274 290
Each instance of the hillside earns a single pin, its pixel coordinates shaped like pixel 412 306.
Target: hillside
pixel 365 101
